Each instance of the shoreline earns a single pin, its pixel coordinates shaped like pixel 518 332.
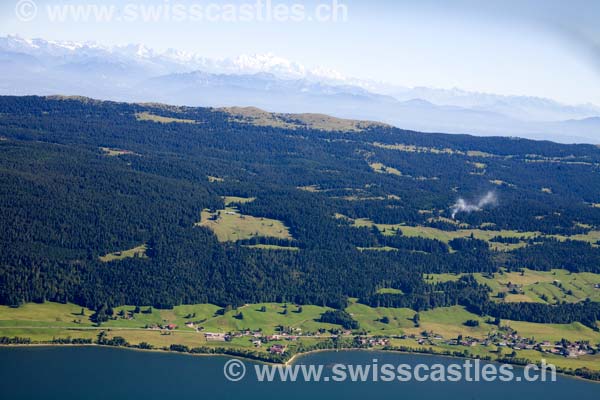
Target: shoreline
pixel 288 362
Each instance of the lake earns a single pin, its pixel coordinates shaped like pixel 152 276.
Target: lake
pixel 102 373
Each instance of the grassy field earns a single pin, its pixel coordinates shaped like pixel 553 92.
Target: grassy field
pixel 381 248
pixel 258 117
pixel 228 200
pixel 447 236
pixel 383 169
pixel 210 318
pixel 229 225
pixel 591 237
pixel 370 318
pixel 44 315
pixel 139 251
pixel 554 332
pixel 416 149
pixel 44 322
pixel 432 150
pixel 477 165
pixel 555 285
pixel 272 247
pixel 531 158
pixel 116 152
pixel 265 316
pixel 389 290
pixel 273 316
pixel 535 286
pixel 310 188
pixel 448 322
pixel 499 182
pixel 213 179
pixel 445 321
pixel 146 116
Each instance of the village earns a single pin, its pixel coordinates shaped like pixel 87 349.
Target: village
pixel 505 338
pixel 509 339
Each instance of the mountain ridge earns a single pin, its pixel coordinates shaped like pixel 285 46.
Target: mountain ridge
pixel 136 73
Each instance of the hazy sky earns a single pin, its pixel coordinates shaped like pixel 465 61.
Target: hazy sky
pixel 541 48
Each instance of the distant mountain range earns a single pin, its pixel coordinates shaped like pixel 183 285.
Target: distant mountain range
pixel 139 74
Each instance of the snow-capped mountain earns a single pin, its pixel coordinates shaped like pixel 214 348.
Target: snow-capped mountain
pixel 139 73
pixel 171 60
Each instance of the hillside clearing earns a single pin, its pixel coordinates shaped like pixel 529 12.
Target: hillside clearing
pixel 592 237
pixel 228 200
pixel 136 252
pixel 258 117
pixel 146 116
pixel 272 247
pixel 110 152
pixel 230 226
pixel 550 287
pixel 383 169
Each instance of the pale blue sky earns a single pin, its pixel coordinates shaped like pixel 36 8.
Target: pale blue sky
pixel 539 48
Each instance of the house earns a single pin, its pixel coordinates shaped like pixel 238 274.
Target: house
pixel 171 327
pixel 379 342
pixel 277 349
pixel 215 337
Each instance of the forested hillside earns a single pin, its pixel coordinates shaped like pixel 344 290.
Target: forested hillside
pixel 106 203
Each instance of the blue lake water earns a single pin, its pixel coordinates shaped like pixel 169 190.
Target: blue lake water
pixel 109 373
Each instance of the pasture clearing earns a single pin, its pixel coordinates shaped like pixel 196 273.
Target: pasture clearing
pixel 136 252
pixel 110 152
pixel 228 200
pixel 230 226
pixel 146 116
pixel 592 237
pixel 550 287
pixel 383 169
pixel 272 247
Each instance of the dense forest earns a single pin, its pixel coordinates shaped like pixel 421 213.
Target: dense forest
pixel 66 201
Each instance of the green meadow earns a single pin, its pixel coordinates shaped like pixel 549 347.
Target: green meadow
pixel 48 321
pixel 146 116
pixel 592 237
pixel 447 322
pixel 550 287
pixel 229 225
pixel 138 251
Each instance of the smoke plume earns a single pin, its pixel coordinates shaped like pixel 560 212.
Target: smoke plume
pixel 462 205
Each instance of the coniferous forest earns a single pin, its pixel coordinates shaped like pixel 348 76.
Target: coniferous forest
pixel 81 179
